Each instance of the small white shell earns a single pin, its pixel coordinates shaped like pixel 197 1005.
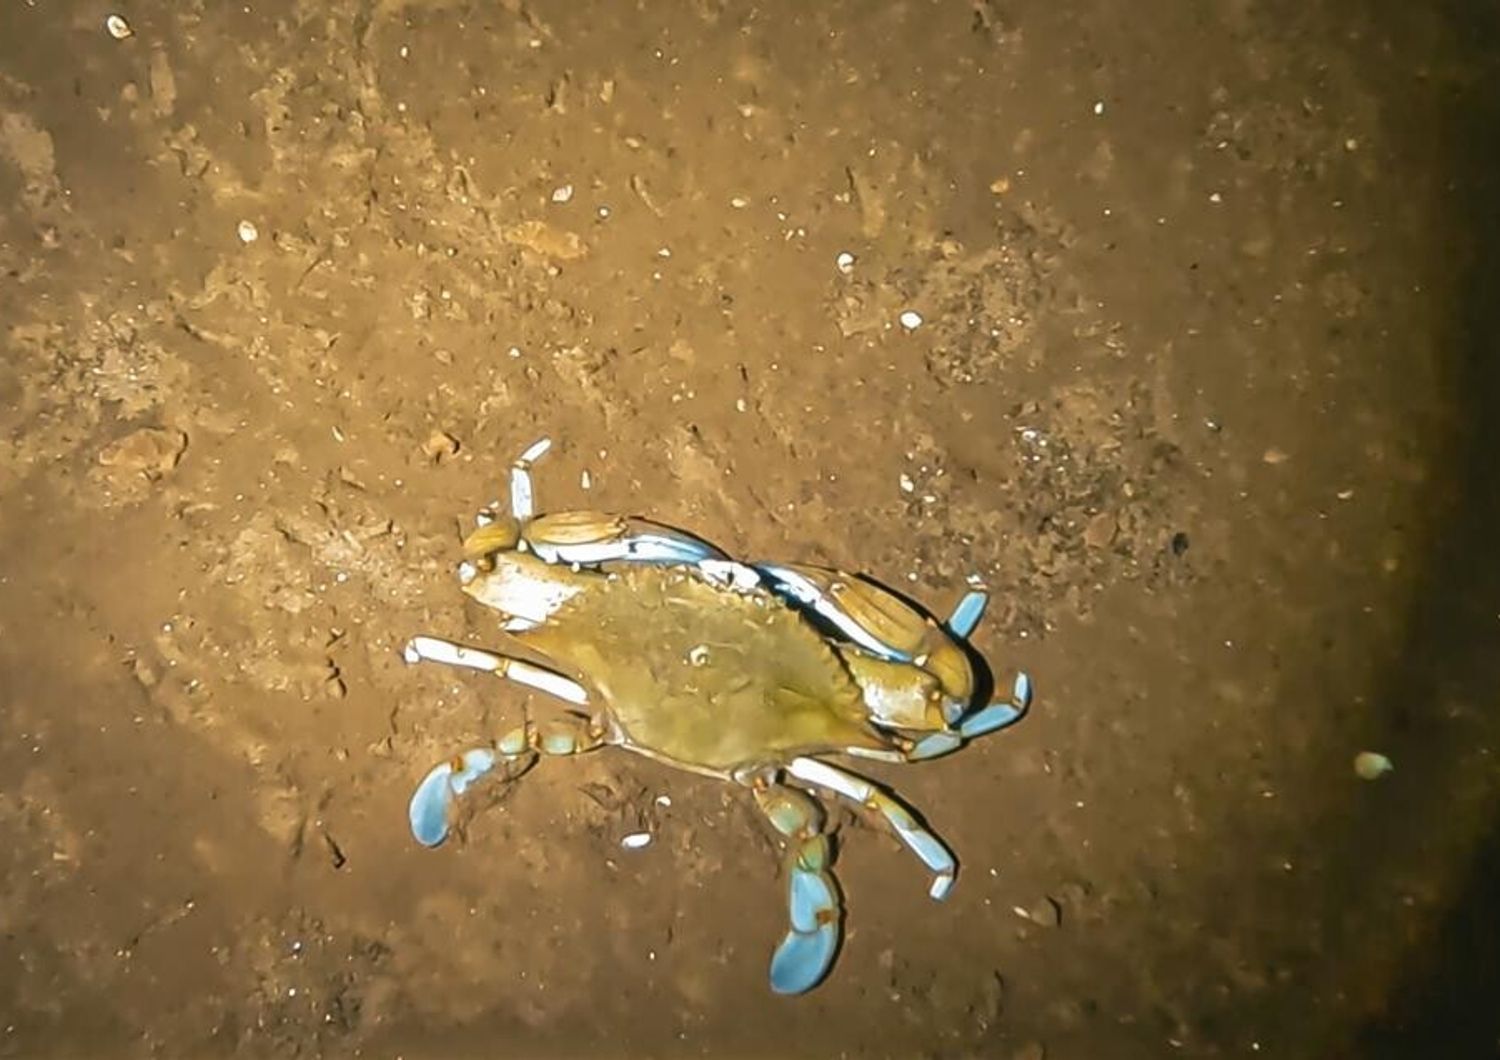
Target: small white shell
pixel 845 262
pixel 911 320
pixel 562 194
pixel 117 27
pixel 247 231
pixel 635 840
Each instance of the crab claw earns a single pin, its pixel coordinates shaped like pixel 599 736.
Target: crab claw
pixel 806 953
pixel 433 799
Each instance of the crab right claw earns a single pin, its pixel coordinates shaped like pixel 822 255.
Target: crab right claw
pixel 806 953
pixel 880 622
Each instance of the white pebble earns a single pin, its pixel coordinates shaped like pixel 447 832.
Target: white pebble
pixel 1099 107
pixel 585 479
pixel 117 27
pixel 911 320
pixel 562 194
pixel 248 232
pixel 664 800
pixel 845 262
pixel 739 203
pixel 907 485
pixel 1370 765
pixel 1216 198
pixel 635 840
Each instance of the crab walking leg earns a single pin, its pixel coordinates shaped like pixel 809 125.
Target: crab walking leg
pixel 436 650
pixel 522 497
pixel 806 953
pixel 928 848
pixel 966 616
pixel 432 802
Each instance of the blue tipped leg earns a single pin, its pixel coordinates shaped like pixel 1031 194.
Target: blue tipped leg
pixel 966 616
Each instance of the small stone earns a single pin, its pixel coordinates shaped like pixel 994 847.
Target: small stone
pixel 845 262
pixel 635 840
pixel 1099 106
pixel 1101 530
pixel 1273 456
pixel 1000 185
pixel 911 320
pixel 117 27
pixel 1046 912
pixel 247 232
pixel 442 356
pixel 150 451
pixel 562 194
pixel 1216 198
pixel 907 485
pixel 1370 765
pixel 440 445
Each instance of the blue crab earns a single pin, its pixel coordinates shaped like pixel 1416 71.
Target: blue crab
pixel 747 672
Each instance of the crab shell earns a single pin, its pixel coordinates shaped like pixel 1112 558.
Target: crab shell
pixel 595 622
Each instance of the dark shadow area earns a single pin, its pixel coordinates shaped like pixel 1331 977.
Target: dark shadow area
pixel 1443 1004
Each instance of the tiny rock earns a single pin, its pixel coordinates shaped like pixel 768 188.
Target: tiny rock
pixel 440 445
pixel 151 451
pixel 1273 456
pixel 247 232
pixel 1100 531
pixel 541 238
pixel 911 320
pixel 1370 765
pixel 117 27
pixel 845 262
pixel 635 840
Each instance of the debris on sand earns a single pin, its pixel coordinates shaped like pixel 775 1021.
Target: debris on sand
pixel 439 446
pixel 151 451
pixel 546 240
pixel 1370 765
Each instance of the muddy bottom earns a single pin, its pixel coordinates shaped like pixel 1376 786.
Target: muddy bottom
pixel 1171 326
